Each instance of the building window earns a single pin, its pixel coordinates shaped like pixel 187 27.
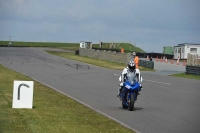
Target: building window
pixel 182 50
pixel 179 50
pixel 193 50
pixel 175 50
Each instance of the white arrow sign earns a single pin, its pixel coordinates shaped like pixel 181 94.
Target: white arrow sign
pixel 23 94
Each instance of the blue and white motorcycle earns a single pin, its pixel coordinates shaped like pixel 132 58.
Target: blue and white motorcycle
pixel 130 90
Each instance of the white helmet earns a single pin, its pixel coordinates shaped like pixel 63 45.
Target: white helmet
pixel 131 66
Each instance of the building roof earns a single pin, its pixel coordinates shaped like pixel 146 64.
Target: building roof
pixel 86 42
pixel 186 44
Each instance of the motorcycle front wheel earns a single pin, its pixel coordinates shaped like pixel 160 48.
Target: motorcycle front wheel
pixel 131 104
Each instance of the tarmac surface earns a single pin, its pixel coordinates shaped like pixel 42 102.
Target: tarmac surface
pixel 166 104
pixel 167 68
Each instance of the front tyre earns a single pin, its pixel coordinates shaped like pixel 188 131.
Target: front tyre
pixel 131 105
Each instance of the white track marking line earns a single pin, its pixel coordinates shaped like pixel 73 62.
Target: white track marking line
pixel 116 74
pixel 157 82
pixel 150 81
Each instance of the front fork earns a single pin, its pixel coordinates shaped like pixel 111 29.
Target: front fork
pixel 129 97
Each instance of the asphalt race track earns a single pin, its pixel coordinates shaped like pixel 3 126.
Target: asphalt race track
pixel 166 104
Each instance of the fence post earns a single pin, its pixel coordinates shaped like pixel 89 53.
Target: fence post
pixel 128 57
pixel 196 59
pixel 193 60
pixel 189 59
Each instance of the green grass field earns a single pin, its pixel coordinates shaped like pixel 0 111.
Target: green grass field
pixel 52 112
pixel 189 76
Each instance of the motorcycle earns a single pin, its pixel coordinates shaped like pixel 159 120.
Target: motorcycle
pixel 129 92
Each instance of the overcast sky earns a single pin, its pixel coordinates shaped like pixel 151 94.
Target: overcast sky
pixel 150 24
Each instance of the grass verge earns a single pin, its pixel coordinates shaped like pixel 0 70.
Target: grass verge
pixel 184 75
pixel 94 61
pixel 39 44
pixel 52 112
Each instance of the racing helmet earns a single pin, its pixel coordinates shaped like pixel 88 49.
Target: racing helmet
pixel 131 66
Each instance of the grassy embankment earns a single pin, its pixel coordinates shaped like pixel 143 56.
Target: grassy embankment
pixel 52 112
pixel 127 47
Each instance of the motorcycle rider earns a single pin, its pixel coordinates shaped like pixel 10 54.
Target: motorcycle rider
pixel 130 68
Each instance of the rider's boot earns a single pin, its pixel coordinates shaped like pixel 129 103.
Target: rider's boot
pixel 119 91
pixel 140 89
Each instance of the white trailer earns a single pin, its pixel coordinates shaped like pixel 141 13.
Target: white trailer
pixel 181 51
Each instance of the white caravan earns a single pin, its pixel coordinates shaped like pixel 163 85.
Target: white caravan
pixel 182 50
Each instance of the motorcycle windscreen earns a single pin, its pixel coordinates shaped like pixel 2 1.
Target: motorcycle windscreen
pixel 131 78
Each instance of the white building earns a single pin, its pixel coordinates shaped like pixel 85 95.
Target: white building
pixel 84 44
pixel 182 50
